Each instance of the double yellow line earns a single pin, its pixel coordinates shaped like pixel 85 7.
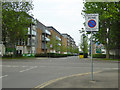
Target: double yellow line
pixel 61 78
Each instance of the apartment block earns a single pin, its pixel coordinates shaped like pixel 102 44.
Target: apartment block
pixel 55 40
pixel 43 38
pixel 28 46
pixel 69 42
pixel 64 44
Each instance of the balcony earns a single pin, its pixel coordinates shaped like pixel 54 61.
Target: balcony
pixel 58 38
pixel 47 32
pixel 33 27
pixel 33 32
pixel 45 39
pixel 59 44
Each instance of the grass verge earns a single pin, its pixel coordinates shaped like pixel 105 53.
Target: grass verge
pixel 106 59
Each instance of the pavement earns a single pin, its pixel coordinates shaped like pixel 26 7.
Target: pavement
pixel 101 79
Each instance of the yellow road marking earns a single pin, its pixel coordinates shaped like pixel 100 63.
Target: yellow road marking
pixel 55 80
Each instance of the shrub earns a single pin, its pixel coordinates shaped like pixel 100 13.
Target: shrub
pixel 114 56
pixel 8 56
pixel 85 55
pixel 40 55
pixel 99 55
pixel 53 55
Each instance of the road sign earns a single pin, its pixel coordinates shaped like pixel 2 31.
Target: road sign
pixel 92 22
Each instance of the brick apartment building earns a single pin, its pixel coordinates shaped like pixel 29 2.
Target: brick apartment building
pixel 68 42
pixel 43 39
pixel 28 46
pixel 55 40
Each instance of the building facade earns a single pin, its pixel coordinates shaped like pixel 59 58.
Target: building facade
pixel 55 42
pixel 43 38
pixel 69 43
pixel 28 47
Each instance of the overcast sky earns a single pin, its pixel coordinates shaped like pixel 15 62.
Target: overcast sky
pixel 64 15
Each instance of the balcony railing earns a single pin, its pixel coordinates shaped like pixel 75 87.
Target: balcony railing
pixel 59 44
pixel 33 27
pixel 33 32
pixel 45 39
pixel 47 32
pixel 58 38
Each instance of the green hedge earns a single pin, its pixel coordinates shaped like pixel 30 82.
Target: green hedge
pixel 10 56
pixel 53 55
pixel 114 56
pixel 99 55
pixel 85 55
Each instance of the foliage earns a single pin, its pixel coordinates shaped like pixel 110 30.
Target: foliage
pixel 15 20
pixel 55 43
pixel 84 44
pixel 76 50
pixel 108 19
pixel 63 48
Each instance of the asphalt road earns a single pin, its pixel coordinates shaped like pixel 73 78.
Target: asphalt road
pixel 33 72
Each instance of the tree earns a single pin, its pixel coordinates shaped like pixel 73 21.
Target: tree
pixel 55 43
pixel 108 19
pixel 84 43
pixel 15 20
pixel 76 50
pixel 63 48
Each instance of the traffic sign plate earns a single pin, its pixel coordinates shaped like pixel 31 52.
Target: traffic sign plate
pixel 91 22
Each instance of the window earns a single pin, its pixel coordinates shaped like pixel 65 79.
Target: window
pixel 28 30
pixel 23 42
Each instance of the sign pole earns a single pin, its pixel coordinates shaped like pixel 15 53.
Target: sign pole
pixel 91 59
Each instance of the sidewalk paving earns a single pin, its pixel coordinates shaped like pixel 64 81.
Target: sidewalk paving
pixel 104 79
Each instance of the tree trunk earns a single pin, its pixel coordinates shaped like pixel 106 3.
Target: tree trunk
pixel 13 50
pixel 107 53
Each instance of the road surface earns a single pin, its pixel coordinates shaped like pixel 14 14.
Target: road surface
pixel 33 72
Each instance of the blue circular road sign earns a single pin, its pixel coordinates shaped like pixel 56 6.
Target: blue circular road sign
pixel 91 23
